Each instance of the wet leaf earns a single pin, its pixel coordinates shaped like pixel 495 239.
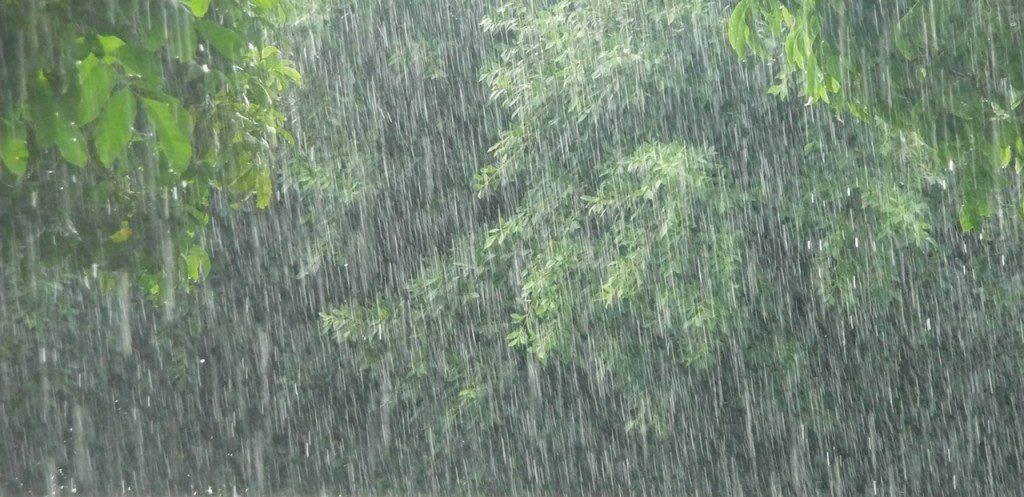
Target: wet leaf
pixel 739 30
pixel 110 44
pixel 114 129
pixel 174 132
pixel 198 7
pixel 70 141
pixel 140 63
pixel 223 39
pixel 14 148
pixel 264 188
pixel 96 81
pixel 197 262
pixel 122 235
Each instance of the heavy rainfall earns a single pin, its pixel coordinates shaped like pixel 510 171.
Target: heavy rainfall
pixel 511 247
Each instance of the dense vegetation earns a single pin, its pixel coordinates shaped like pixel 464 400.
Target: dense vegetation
pixel 949 71
pixel 560 245
pixel 118 122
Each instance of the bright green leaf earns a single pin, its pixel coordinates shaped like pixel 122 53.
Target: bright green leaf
pixel 96 81
pixel 264 189
pixel 110 44
pixel 14 148
pixel 199 7
pixel 738 29
pixel 225 40
pixel 291 73
pixel 173 131
pixel 122 235
pixel 140 63
pixel 197 262
pixel 70 141
pixel 114 129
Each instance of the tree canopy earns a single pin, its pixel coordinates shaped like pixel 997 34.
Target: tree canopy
pixel 119 121
pixel 951 72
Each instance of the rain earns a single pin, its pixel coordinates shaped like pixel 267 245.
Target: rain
pixel 511 248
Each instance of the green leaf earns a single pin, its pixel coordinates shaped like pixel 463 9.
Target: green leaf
pixel 976 205
pixel 968 220
pixel 780 90
pixel 264 189
pixel 198 7
pixel 140 63
pixel 114 129
pixel 738 29
pixel 907 46
pixel 151 283
pixel 291 73
pixel 197 262
pixel 225 40
pixel 182 41
pixel 173 131
pixel 110 44
pixel 42 111
pixel 95 81
pixel 70 141
pixel 122 235
pixel 14 148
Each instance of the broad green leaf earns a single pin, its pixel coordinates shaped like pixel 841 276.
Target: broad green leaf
pixel 738 28
pixel 291 73
pixel 199 216
pixel 173 131
pixel 140 63
pixel 42 112
pixel 151 39
pixel 182 41
pixel 70 141
pixel 976 204
pixel 14 148
pixel 110 44
pixel 906 45
pixel 198 7
pixel 264 188
pixel 96 81
pixel 968 220
pixel 225 40
pixel 197 262
pixel 114 129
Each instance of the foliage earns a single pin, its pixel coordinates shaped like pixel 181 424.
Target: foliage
pixel 655 293
pixel 950 71
pixel 120 122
